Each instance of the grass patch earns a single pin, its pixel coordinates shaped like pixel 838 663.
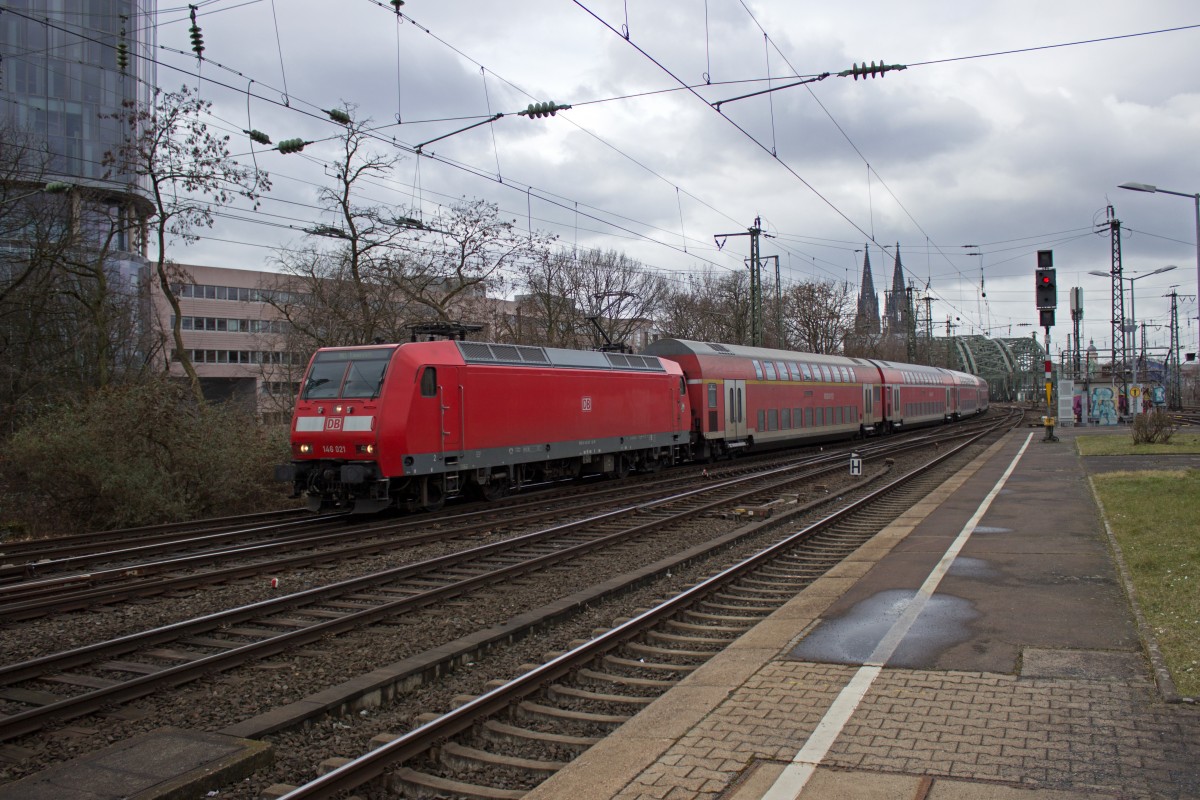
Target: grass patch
pixel 1118 445
pixel 1153 515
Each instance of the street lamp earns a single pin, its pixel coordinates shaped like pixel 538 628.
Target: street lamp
pixel 1147 187
pixel 1133 311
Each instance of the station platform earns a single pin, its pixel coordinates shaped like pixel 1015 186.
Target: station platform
pixel 983 645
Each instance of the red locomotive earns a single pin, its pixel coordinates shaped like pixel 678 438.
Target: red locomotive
pixel 410 425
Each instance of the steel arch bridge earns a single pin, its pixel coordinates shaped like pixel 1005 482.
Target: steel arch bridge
pixel 1013 367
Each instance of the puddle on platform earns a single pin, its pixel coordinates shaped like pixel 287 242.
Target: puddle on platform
pixel 850 639
pixel 964 567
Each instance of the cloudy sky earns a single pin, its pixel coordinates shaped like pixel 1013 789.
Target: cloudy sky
pixel 1002 133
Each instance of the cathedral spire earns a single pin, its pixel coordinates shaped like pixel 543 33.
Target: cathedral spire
pixel 866 321
pixel 896 311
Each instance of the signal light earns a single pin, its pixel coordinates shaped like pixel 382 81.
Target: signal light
pixel 1046 290
pixel 538 110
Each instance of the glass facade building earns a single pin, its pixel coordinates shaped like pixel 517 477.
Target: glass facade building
pixel 62 80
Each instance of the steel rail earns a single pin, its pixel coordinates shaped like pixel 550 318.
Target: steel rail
pixel 371 765
pixel 26 722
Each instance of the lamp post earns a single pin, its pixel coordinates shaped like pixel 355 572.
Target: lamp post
pixel 1148 187
pixel 1133 311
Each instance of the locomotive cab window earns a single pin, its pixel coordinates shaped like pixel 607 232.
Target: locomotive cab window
pixel 712 395
pixel 346 373
pixel 429 382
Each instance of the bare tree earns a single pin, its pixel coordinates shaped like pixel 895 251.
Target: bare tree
pixel 709 308
pixel 71 316
pixel 170 155
pixel 620 295
pixel 546 311
pixel 463 251
pixel 340 280
pixel 817 316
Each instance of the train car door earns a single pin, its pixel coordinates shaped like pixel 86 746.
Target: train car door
pixel 735 409
pixel 868 406
pixel 450 412
pixel 680 400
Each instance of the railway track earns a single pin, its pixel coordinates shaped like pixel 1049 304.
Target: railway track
pixel 21 559
pixel 81 574
pixel 504 742
pixel 79 681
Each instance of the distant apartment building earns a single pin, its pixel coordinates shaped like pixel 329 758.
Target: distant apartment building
pixel 234 337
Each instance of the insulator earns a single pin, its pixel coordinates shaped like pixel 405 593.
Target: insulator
pixel 290 145
pixel 539 110
pixel 872 70
pixel 396 4
pixel 57 187
pixel 122 55
pixel 259 137
pixel 338 115
pixel 197 40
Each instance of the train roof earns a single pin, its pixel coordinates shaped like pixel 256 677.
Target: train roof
pixel 685 347
pixel 509 354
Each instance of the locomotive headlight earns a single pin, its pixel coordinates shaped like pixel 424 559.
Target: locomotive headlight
pixel 337 409
pixel 366 449
pixel 305 449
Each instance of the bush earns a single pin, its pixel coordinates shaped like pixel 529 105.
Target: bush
pixel 1153 427
pixel 138 455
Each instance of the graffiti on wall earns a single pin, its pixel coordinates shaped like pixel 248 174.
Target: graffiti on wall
pixel 1102 405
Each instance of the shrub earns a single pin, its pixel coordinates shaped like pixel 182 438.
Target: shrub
pixel 1153 427
pixel 138 455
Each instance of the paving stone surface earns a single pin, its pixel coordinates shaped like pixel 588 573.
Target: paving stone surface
pixel 1113 737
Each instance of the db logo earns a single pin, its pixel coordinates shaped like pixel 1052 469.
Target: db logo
pixel 587 404
pixel 333 423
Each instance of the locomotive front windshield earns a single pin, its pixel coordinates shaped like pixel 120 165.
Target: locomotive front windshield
pixel 347 374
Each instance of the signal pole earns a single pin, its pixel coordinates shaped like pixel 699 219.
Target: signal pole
pixel 1046 295
pixel 756 320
